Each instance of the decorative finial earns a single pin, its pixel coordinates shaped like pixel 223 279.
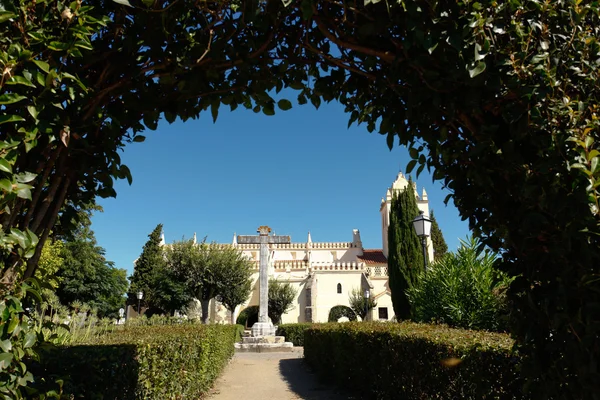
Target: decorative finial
pixel 264 230
pixel 234 241
pixel 309 240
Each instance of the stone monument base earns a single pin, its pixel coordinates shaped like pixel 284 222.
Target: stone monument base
pixel 263 329
pixel 263 344
pixel 262 339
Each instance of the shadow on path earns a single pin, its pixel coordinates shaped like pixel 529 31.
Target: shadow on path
pixel 303 383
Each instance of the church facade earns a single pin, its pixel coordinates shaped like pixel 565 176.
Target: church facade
pixel 325 273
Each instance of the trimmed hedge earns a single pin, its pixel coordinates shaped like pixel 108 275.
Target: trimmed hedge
pixel 144 362
pixel 294 332
pixel 414 361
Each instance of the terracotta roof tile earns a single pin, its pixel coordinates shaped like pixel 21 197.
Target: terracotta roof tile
pixel 373 256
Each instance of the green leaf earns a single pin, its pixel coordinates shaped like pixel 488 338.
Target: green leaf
pixel 150 121
pixel 390 140
pixel 25 177
pixel 10 118
pixel 6 345
pixel 25 380
pixel 84 44
pixel 139 138
pixel 268 110
pixel 30 339
pixel 19 80
pixel 284 104
pixel 6 15
pixel 43 65
pixel 6 185
pixel 414 153
pixel 214 110
pixel 126 173
pixel 10 98
pixel 170 117
pixel 14 322
pixel 410 166
pixel 32 111
pixel 5 166
pixel 5 360
pixel 24 193
pixel 477 69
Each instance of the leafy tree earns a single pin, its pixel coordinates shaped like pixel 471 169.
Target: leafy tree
pixel 462 289
pixel 437 238
pixel 360 304
pixel 209 270
pixel 405 251
pixel 163 291
pixel 150 261
pixel 187 260
pixel 169 292
pixel 499 99
pixel 236 285
pixel 281 299
pixel 87 277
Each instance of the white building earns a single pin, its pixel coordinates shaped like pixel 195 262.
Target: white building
pixel 324 273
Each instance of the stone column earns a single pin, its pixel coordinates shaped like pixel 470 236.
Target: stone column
pixel 263 305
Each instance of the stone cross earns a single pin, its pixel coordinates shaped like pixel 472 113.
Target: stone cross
pixel 263 327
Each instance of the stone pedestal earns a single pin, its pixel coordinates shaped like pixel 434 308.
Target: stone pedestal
pixel 263 329
pixel 262 339
pixel 263 344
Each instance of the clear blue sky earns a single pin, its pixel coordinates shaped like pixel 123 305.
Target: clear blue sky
pixel 298 171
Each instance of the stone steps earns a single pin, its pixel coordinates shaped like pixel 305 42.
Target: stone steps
pixel 264 347
pixel 263 339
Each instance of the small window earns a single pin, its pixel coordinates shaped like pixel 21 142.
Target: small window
pixel 339 288
pixel 383 314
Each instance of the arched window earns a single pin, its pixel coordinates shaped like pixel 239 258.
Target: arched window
pixel 339 288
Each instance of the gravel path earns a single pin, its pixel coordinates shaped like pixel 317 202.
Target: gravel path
pixel 270 376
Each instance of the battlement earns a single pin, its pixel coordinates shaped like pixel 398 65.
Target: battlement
pixel 337 266
pixel 302 246
pixel 318 266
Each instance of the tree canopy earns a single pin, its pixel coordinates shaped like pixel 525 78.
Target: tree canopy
pixel 360 304
pixel 210 270
pixel 281 299
pixel 499 99
pixel 162 290
pixel 86 276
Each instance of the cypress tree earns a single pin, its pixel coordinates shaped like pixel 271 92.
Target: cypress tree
pixel 405 252
pixel 437 238
pixel 150 263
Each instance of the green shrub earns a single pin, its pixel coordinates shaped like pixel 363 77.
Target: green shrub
pixel 338 312
pixel 463 290
pixel 248 313
pixel 239 330
pixel 294 332
pixel 414 361
pixel 144 362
